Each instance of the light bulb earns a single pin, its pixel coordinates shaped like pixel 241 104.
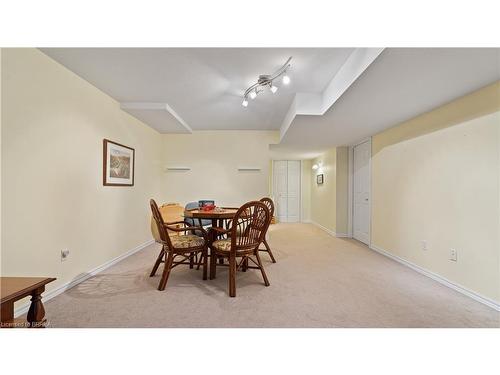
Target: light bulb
pixel 286 79
pixel 245 103
pixel 274 89
pixel 252 94
pixel 315 166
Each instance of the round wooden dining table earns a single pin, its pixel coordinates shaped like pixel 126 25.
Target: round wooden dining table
pixel 217 215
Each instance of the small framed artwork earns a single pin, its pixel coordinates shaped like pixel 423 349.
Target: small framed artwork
pixel 319 179
pixel 118 164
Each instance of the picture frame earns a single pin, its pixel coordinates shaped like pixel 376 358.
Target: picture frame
pixel 319 179
pixel 118 164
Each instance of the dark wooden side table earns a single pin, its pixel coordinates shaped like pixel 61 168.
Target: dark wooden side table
pixel 15 288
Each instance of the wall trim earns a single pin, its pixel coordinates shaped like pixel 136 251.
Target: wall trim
pixel 70 284
pixel 440 279
pixel 459 288
pixel 329 231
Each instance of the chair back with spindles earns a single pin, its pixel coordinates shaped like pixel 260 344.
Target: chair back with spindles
pixel 249 226
pixel 160 225
pixel 269 204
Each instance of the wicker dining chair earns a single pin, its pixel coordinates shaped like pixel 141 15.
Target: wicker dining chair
pixel 270 205
pixel 173 246
pixel 245 235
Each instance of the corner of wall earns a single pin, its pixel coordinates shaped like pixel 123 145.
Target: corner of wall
pixel 306 190
pixel 324 196
pixel 342 190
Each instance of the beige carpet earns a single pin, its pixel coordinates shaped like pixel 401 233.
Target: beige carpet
pixel 319 281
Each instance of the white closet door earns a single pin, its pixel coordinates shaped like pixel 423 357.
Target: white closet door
pixel 281 189
pixel 286 185
pixel 361 193
pixel 293 191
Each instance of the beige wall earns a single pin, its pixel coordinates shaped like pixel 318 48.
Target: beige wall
pixel 214 158
pixel 323 197
pixel 342 191
pixel 306 174
pixel 329 201
pixel 437 178
pixel 53 124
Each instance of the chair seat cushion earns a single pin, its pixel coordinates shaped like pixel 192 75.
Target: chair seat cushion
pixel 224 245
pixel 189 240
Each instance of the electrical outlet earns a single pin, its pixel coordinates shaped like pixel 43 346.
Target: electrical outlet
pixel 424 245
pixel 453 255
pixel 64 254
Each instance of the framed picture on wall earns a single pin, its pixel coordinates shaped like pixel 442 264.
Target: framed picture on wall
pixel 319 179
pixel 118 164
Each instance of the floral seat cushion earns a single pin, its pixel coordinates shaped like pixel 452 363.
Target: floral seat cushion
pixel 223 245
pixel 189 240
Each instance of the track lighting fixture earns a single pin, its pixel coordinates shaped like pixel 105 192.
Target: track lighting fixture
pixel 267 81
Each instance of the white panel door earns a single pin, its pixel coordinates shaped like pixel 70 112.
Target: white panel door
pixel 293 191
pixel 361 192
pixel 281 189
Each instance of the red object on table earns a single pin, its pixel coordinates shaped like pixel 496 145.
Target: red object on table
pixel 208 207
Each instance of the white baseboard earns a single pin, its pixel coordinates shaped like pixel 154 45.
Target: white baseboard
pixel 329 231
pixel 469 293
pixel 55 292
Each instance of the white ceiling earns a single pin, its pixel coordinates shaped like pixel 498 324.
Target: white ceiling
pixel 399 85
pixel 204 86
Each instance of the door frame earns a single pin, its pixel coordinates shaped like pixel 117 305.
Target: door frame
pixel 300 185
pixel 350 211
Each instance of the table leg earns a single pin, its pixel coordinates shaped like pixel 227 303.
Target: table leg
pixel 221 225
pixel 7 312
pixel 212 238
pixel 36 312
